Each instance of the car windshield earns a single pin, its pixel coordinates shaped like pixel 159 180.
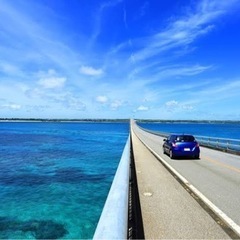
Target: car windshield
pixel 185 138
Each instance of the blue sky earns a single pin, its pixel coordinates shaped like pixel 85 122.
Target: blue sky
pixel 120 59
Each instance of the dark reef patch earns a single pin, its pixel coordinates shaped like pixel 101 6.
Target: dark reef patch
pixel 63 175
pixel 40 229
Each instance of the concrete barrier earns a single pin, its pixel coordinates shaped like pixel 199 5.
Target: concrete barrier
pixel 113 223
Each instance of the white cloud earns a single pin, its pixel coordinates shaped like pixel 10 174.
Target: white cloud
pixel 165 72
pixel 52 82
pixel 75 103
pixel 175 106
pixel 185 29
pixel 98 18
pixel 102 99
pixel 184 70
pixel 223 90
pixel 87 70
pixel 142 108
pixel 137 82
pixel 116 104
pixel 41 43
pixel 9 68
pixel 172 103
pixel 144 8
pixel 11 106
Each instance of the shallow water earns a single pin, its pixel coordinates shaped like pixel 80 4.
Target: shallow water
pixel 55 177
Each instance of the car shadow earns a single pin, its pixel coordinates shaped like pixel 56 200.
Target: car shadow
pixel 186 158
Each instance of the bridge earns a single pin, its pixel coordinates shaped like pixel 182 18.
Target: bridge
pixel 155 197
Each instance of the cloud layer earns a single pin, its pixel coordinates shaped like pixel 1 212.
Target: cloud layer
pixel 93 59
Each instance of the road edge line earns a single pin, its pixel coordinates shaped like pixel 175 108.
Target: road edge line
pixel 218 212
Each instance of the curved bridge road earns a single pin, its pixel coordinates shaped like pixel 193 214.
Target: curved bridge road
pixel 216 174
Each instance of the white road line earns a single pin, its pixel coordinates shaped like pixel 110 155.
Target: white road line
pixel 235 227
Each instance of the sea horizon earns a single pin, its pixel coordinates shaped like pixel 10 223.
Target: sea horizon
pixel 107 120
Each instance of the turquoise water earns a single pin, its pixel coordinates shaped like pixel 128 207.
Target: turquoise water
pixel 220 130
pixel 55 177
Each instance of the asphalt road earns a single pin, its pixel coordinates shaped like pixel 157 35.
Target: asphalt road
pixel 216 174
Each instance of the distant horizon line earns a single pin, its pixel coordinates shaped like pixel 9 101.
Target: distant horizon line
pixel 111 120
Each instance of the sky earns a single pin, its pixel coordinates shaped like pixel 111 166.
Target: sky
pixel 147 59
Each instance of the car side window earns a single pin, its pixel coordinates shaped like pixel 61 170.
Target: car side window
pixel 172 138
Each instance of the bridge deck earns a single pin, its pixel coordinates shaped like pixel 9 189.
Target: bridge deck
pixel 168 210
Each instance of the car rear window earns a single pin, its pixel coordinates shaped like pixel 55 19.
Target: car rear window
pixel 185 138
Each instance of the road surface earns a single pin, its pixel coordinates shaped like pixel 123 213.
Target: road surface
pixel 216 175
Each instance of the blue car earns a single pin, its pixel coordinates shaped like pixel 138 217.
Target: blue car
pixel 181 146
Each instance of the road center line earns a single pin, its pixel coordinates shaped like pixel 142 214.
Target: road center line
pixel 221 164
pixel 227 224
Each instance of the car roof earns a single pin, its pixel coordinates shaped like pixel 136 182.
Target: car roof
pixel 180 135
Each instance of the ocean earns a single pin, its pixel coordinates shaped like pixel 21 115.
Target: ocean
pixel 229 130
pixel 55 176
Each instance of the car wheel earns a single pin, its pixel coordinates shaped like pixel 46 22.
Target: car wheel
pixel 164 151
pixel 171 154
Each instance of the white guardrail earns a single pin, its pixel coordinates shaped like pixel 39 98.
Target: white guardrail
pixel 113 223
pixel 219 143
pixel 226 144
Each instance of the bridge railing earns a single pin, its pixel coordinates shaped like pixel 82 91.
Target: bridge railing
pixel 219 143
pixel 224 144
pixel 113 223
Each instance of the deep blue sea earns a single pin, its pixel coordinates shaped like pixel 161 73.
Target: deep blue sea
pixel 55 177
pixel 219 130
